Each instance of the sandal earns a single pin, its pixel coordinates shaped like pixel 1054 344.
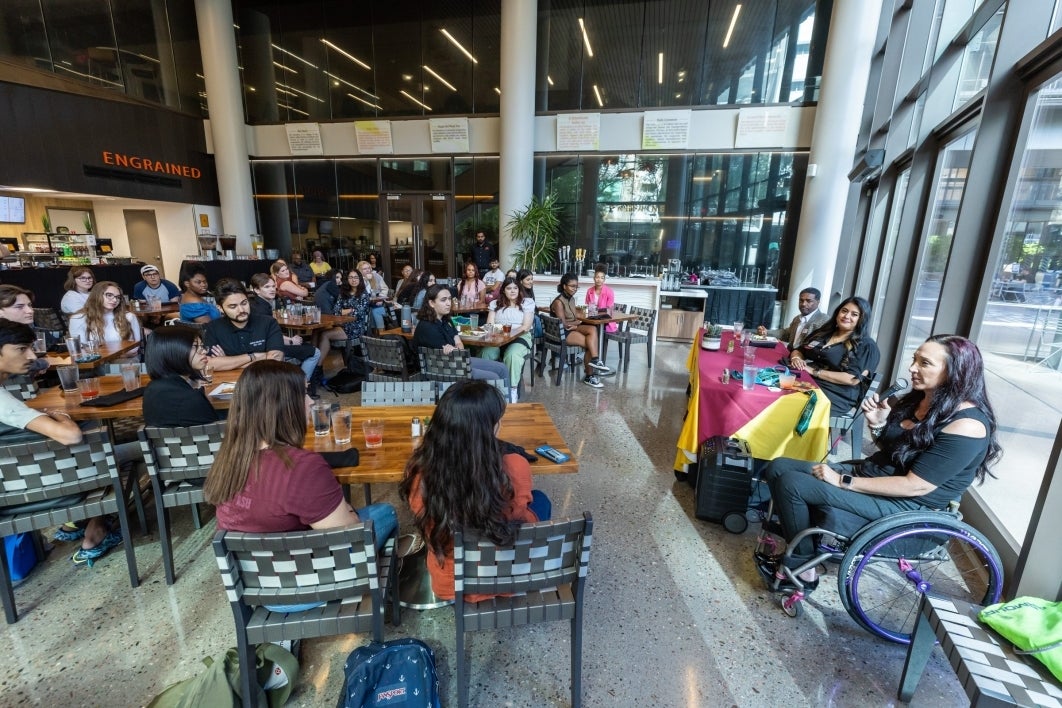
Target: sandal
pixel 69 532
pixel 89 556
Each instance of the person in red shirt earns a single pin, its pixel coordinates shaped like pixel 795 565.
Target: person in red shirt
pixel 460 476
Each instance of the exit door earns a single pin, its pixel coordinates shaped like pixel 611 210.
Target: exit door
pixel 418 230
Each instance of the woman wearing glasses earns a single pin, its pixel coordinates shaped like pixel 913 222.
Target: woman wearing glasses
pixel 79 282
pixel 177 364
pixel 353 301
pixel 105 318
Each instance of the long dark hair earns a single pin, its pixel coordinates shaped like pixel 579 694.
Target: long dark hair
pixel 268 406
pixel 417 281
pixel 167 352
pixel 503 299
pixel 345 291
pixel 464 277
pixel 826 330
pixel 965 381
pixel 426 313
pixel 459 488
pixel 521 275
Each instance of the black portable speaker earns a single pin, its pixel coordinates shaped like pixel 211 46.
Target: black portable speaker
pixel 724 482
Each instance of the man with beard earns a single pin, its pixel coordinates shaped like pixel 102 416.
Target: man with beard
pixel 809 319
pixel 239 338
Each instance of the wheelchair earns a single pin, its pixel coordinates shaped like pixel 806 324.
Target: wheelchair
pixel 886 565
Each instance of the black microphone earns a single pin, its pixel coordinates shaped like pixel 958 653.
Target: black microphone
pixel 899 386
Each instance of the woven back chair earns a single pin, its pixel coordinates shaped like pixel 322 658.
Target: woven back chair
pixel 178 460
pixel 397 393
pixel 544 574
pixel 45 484
pixel 338 567
pixel 21 387
pixel 437 366
pixel 386 356
pixel 48 320
pixel 555 340
pixel 635 332
pixel 441 386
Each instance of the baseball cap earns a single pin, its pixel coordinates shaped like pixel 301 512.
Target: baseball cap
pixel 144 270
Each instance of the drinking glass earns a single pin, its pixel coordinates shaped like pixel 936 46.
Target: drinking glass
pixel 373 429
pixel 738 328
pixel 73 347
pixel 507 329
pixel 341 426
pixel 40 344
pixel 473 320
pixel 130 376
pixel 322 413
pixel 68 377
pixel 748 376
pixel 90 387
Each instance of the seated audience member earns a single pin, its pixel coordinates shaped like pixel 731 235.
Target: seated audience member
pixel 511 273
pixel 377 291
pixel 176 362
pixel 376 267
pixel 412 293
pixel 302 270
pixel 840 353
pixel 105 318
pixel 471 291
pixel 20 423
pixel 493 279
pixel 407 271
pixel 153 284
pixel 601 295
pixel 932 444
pixel 353 301
pixel 263 481
pixel 579 334
pixel 435 330
pixel 295 347
pixel 286 285
pixel 527 282
pixel 16 305
pixel 517 311
pixel 809 319
pixel 194 290
pixel 79 281
pixel 461 476
pixel 238 338
pixel 325 297
pixel 319 266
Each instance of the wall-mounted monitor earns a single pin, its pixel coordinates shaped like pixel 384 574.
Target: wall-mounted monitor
pixel 325 226
pixel 12 210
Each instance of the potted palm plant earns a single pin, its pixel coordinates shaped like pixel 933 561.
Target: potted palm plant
pixel 534 233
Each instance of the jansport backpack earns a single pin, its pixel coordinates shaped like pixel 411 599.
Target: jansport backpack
pixel 400 672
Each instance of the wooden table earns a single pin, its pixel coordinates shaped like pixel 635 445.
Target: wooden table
pixel 617 317
pixel 166 308
pixel 302 323
pixel 109 351
pixel 498 339
pixel 55 399
pixel 525 424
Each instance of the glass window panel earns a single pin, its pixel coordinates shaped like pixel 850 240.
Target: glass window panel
pixel 977 59
pixel 475 201
pixel 399 57
pixel 952 167
pixel 486 43
pixel 561 55
pixel 417 175
pixel 613 74
pixel 899 197
pixel 1021 330
pixel 186 57
pixel 81 39
pixel 358 229
pixel 351 67
pixel 24 39
pixel 143 51
pixel 673 45
pixel 274 198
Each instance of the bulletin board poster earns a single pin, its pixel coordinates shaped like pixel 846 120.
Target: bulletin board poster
pixel 374 137
pixel 666 130
pixel 578 131
pixel 449 134
pixel 304 138
pixel 762 127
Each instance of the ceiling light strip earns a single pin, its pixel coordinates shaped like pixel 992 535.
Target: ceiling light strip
pixel 302 93
pixel 362 100
pixel 293 55
pixel 422 105
pixel 586 38
pixel 660 68
pixel 459 46
pixel 733 23
pixel 356 88
pixel 348 55
pixel 597 94
pixel 441 80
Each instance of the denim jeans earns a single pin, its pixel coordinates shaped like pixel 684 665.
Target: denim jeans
pixel 384 524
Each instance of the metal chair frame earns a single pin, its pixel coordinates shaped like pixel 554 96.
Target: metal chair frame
pixel 626 337
pixel 555 340
pixel 397 393
pixel 387 357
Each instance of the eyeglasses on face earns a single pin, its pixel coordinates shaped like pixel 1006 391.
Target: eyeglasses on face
pixel 87 278
pixel 113 296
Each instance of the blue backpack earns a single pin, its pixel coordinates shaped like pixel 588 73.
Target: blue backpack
pixel 400 672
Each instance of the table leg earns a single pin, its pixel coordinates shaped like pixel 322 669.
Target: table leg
pixel 922 642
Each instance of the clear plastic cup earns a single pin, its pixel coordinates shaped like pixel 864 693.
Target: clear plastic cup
pixel 68 376
pixel 341 424
pixel 40 344
pixel 130 376
pixel 90 387
pixel 322 413
pixel 748 376
pixel 373 429
pixel 473 320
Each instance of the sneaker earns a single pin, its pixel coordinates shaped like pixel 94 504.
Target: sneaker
pixel 593 381
pixel 599 366
pixel 89 556
pixel 69 532
pixel 514 396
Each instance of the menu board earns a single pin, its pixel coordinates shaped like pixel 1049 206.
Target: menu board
pixel 374 137
pixel 12 210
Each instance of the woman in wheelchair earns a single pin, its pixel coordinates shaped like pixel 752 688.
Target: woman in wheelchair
pixel 931 446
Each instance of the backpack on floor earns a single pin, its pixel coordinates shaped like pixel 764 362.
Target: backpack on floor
pixel 349 380
pixel 400 672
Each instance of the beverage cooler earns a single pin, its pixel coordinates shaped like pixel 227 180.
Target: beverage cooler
pixel 62 245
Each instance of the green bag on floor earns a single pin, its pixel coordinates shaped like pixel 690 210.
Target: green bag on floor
pixel 1032 625
pixel 219 685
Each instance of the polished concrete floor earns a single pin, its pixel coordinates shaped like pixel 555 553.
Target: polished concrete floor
pixel 676 614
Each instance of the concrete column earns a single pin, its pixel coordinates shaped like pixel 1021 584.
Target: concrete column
pixel 853 28
pixel 217 42
pixel 517 115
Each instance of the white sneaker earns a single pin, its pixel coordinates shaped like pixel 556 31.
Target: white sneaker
pixel 514 396
pixel 593 381
pixel 599 366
